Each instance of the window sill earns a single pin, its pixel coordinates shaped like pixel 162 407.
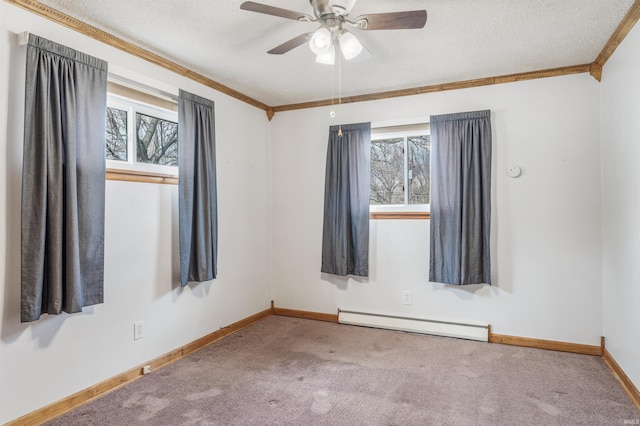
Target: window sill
pixel 139 176
pixel 400 215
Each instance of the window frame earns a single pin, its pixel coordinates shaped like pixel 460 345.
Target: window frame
pixel 406 210
pixel 133 106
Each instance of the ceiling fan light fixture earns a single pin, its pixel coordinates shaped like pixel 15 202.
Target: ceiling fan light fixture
pixel 326 58
pixel 320 42
pixel 349 45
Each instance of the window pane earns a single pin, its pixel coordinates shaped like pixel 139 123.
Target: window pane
pixel 157 140
pixel 116 134
pixel 418 156
pixel 387 171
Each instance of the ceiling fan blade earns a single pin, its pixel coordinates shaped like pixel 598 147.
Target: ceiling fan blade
pixel 411 19
pixel 291 44
pixel 274 11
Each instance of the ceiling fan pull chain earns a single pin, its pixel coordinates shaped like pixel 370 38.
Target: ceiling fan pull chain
pixel 339 80
pixel 332 113
pixel 339 90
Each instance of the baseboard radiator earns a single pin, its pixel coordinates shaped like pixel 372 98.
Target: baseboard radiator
pixel 416 325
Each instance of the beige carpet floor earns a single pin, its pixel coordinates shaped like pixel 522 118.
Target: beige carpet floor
pixel 289 371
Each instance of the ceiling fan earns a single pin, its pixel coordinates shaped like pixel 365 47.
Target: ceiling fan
pixel 332 33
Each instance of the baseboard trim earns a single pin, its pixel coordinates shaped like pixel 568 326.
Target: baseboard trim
pixel 82 397
pixel 622 378
pixel 58 408
pixel 528 342
pixel 318 316
pixel 552 345
pixel 493 338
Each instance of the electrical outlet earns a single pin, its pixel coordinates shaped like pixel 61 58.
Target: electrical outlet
pixel 406 297
pixel 138 330
pixel 146 369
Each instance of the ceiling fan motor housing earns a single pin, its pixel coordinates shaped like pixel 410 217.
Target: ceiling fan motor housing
pixel 321 8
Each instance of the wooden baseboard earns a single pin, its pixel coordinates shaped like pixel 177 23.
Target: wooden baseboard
pixel 528 342
pixel 71 402
pixel 305 314
pixel 546 344
pixel 493 338
pixel 622 378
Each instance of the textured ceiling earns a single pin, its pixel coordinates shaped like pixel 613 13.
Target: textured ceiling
pixel 462 40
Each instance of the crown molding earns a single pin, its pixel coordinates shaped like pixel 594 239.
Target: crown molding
pixel 627 23
pixel 111 40
pixel 594 69
pixel 510 78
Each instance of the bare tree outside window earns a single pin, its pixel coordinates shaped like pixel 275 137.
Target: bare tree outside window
pixel 387 171
pixel 400 170
pixel 157 140
pixel 116 137
pixel 418 159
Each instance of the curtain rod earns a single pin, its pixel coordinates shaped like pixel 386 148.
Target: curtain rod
pixel 115 78
pixel 399 128
pixel 23 39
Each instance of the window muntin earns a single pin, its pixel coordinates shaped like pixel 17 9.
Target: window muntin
pixel 147 140
pixel 400 171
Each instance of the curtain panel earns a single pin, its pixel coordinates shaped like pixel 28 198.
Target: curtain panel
pixel 460 198
pixel 197 194
pixel 345 235
pixel 63 180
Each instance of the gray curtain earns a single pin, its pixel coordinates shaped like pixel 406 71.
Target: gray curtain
pixel 460 198
pixel 63 180
pixel 198 206
pixel 345 235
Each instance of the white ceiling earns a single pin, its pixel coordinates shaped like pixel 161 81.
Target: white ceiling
pixel 462 40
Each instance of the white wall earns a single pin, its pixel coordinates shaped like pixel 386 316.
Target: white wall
pixel 44 361
pixel 547 234
pixel 621 204
pixel 546 229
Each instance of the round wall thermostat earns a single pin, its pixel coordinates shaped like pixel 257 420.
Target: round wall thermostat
pixel 514 171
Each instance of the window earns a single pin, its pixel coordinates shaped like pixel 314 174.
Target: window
pixel 400 169
pixel 156 140
pixel 117 134
pixel 140 136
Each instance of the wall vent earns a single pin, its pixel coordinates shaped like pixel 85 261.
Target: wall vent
pixel 478 332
